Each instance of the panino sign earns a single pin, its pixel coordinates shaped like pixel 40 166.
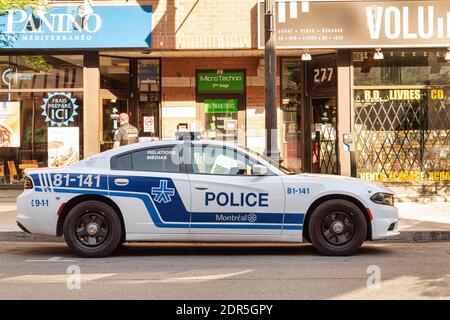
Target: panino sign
pixel 72 27
pixel 359 24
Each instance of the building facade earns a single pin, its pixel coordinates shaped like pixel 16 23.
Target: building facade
pixel 372 102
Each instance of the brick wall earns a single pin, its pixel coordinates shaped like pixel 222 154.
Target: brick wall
pixel 201 24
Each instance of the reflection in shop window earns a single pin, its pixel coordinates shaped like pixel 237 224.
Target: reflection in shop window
pixel 291 103
pixel 41 71
pixel 114 73
pixel 402 116
pixel 149 97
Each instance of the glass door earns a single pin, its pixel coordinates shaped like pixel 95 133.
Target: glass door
pixel 111 110
pixel 322 114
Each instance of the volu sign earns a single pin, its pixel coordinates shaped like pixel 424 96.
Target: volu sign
pixel 359 24
pixel 76 27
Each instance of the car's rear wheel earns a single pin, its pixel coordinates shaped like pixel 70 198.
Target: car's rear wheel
pixel 337 228
pixel 92 229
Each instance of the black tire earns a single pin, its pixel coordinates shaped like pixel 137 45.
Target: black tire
pixel 337 228
pixel 83 220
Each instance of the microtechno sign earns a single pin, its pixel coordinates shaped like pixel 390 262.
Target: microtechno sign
pixel 359 24
pixel 220 81
pixel 71 27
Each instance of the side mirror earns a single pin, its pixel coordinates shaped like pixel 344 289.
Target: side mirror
pixel 259 170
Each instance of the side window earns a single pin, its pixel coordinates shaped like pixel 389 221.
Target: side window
pixel 166 159
pixel 220 160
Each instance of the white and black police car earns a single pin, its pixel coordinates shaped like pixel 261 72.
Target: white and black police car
pixel 200 191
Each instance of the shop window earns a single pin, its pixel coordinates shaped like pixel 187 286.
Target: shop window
pixel 220 95
pixel 419 67
pixel 34 134
pixel 41 72
pixel 114 73
pixel 291 104
pixel 402 116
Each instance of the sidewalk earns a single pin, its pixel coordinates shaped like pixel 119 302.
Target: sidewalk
pixel 419 222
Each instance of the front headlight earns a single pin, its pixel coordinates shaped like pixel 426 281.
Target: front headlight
pixel 383 198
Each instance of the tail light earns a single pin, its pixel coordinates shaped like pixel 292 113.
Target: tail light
pixel 28 183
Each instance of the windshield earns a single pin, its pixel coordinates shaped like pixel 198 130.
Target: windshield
pixel 272 162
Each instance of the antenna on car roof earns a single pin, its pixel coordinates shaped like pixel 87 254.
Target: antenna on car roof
pixel 187 135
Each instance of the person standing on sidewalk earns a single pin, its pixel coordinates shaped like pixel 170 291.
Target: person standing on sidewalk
pixel 126 133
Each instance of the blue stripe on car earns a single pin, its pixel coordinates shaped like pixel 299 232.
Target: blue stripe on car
pixel 174 213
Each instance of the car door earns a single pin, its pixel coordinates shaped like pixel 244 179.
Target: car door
pixel 227 198
pixel 152 189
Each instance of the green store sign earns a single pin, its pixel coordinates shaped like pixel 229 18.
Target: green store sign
pixel 226 81
pixel 221 105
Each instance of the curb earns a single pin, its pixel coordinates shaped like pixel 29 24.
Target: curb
pixel 420 236
pixel 404 237
pixel 20 236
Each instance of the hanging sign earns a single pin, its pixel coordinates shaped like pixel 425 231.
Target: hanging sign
pixel 59 109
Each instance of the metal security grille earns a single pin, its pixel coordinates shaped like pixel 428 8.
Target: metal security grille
pixel 324 153
pixel 400 140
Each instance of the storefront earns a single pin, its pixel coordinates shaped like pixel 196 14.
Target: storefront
pixel 402 115
pixel 132 86
pixel 364 92
pixel 378 106
pixel 41 112
pixel 309 114
pixel 55 83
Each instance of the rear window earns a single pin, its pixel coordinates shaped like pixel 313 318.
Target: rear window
pixel 157 160
pixel 163 159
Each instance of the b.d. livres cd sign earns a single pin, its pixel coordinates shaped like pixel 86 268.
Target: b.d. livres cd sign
pixel 359 24
pixel 72 27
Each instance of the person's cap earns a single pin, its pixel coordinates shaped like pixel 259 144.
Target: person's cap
pixel 123 117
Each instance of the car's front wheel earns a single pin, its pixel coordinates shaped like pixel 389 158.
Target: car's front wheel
pixel 337 228
pixel 92 229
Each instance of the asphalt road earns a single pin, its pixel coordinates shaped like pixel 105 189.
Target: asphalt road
pixel 191 271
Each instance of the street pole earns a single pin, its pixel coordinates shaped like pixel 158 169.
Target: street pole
pixel 270 78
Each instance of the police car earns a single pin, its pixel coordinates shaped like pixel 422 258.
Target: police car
pixel 200 191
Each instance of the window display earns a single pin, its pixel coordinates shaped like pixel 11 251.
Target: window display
pixel 402 116
pixel 41 118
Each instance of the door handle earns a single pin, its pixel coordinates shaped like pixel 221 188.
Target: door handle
pixel 121 182
pixel 201 186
